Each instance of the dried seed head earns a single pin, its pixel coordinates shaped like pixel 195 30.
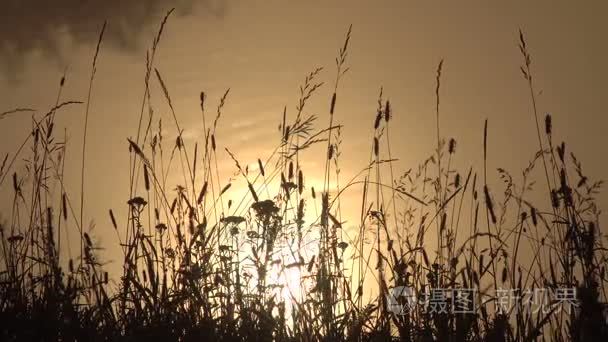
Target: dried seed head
pixel 15 183
pixel 252 190
pixel 485 140
pixel 561 151
pixel 324 209
pixel 64 206
pixel 333 104
pixel 49 219
pixel 452 146
pixel 261 167
pixel 489 203
pixel 548 124
pixel 376 147
pixel 378 118
pixel 161 227
pixel 146 178
pixel 201 195
pixel 474 186
pixel 113 219
pixel 173 204
pixel 225 188
pixel 137 202
pixel 87 239
pixel 178 142
pixel 290 173
pixel 387 111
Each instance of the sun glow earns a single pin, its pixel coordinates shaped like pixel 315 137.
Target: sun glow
pixel 289 284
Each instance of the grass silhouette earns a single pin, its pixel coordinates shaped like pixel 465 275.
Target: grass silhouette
pixel 196 267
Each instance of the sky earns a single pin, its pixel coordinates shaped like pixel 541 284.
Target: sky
pixel 262 50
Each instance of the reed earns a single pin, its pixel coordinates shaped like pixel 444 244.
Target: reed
pixel 202 260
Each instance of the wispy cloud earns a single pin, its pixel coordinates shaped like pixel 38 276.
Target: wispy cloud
pixel 32 25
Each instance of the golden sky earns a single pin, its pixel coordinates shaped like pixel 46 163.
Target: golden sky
pixel 262 50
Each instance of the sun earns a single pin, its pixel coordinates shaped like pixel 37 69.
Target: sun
pixel 286 276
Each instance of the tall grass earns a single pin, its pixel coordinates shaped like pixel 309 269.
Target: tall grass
pixel 277 263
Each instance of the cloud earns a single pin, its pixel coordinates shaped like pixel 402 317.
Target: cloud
pixel 39 25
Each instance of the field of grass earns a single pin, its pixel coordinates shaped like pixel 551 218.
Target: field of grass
pixel 439 253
